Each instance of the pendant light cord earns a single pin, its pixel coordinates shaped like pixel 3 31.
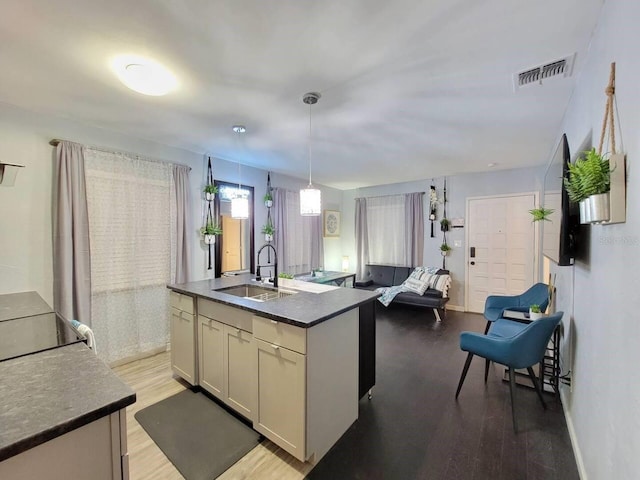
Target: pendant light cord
pixel 310 144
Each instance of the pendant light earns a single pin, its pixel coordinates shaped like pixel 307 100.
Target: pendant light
pixel 239 202
pixel 310 197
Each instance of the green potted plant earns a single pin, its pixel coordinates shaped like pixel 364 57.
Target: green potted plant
pixel 268 231
pixel 541 213
pixel 210 192
pixel 445 249
pixel 588 184
pixel 285 275
pixel 268 200
pixel 210 231
pixel 445 224
pixel 534 312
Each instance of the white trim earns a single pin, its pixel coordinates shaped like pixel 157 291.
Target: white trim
pixel 536 234
pixel 140 356
pixel 455 308
pixel 572 435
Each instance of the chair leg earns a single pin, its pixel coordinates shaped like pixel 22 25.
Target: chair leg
pixel 512 391
pixel 486 329
pixel 537 385
pixel 464 372
pixel 487 362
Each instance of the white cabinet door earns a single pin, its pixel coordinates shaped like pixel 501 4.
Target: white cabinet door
pixel 239 371
pixel 211 339
pixel 281 402
pixel 183 345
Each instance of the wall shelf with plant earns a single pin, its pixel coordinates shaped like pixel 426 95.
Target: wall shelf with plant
pixel 597 181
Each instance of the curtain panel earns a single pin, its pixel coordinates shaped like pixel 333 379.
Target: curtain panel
pixel 389 230
pixel 71 252
pixel 298 239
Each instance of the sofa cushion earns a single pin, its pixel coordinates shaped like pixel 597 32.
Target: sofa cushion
pixel 382 275
pixel 400 275
pixel 415 285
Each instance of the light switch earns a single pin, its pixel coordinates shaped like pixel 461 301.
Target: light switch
pixel 457 243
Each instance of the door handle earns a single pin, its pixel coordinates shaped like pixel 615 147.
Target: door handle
pixel 472 252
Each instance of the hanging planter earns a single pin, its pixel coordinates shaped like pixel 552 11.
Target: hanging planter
pixel 588 185
pixel 268 200
pixel 445 224
pixel 268 232
pixel 209 232
pixel 445 249
pixel 210 192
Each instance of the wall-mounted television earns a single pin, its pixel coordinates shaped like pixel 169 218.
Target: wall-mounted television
pixel 559 234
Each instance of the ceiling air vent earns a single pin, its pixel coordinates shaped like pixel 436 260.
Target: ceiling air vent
pixel 537 76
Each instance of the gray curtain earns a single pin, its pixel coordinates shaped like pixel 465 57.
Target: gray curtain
pixel 362 240
pixel 290 225
pixel 414 221
pixel 183 223
pixel 71 252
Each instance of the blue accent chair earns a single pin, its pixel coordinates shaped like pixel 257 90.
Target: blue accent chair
pixel 512 345
pixel 496 304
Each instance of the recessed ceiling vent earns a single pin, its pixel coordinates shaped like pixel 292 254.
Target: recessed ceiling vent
pixel 537 76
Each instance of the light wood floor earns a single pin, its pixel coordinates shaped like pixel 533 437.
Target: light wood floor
pixel 152 380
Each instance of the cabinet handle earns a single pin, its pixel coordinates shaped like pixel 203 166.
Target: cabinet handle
pixel 274 321
pixel 275 347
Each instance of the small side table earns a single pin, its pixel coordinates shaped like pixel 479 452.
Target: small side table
pixel 549 371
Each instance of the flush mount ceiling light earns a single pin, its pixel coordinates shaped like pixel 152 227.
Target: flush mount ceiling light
pixel 310 197
pixel 240 202
pixel 144 75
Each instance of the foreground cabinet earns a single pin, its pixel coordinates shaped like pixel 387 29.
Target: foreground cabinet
pixel 225 355
pixel 307 383
pixel 95 451
pixel 183 340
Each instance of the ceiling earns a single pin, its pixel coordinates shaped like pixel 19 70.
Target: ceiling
pixel 411 89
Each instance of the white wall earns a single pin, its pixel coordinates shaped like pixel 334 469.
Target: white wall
pixel 25 209
pixel 604 404
pixel 459 188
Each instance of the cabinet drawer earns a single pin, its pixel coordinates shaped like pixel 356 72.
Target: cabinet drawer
pixel 181 302
pixel 232 316
pixel 281 334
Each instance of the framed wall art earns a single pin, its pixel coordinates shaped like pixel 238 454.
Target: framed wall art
pixel 331 222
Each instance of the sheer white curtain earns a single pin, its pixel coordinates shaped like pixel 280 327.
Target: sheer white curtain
pixel 386 230
pixel 298 239
pixel 131 206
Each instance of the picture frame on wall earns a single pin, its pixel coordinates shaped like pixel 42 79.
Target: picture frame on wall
pixel 331 223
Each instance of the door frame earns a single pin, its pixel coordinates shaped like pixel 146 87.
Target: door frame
pixel 536 238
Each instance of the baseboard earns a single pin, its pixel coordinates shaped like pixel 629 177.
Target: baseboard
pixel 572 435
pixel 139 356
pixel 455 308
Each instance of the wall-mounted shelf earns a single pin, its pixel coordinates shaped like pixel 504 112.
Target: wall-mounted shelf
pixel 8 172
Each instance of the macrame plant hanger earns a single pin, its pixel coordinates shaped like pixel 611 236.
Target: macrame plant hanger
pixel 444 215
pixel 269 221
pixel 209 215
pixel 433 207
pixel 610 91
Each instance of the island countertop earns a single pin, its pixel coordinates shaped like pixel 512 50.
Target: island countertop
pixel 304 309
pixel 47 394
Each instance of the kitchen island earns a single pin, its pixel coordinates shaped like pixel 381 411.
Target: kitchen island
pixel 287 359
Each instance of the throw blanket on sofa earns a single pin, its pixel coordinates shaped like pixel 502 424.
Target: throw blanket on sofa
pixel 424 277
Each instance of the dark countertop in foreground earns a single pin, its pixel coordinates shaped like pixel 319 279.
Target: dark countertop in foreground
pixel 303 309
pixel 48 394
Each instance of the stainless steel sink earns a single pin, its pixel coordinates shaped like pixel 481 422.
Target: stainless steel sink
pixel 256 292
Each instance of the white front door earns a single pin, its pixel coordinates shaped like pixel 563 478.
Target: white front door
pixel 502 247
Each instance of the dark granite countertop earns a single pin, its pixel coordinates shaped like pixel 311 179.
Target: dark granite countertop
pixel 48 394
pixel 23 304
pixel 304 309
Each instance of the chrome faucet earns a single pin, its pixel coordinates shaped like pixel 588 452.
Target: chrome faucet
pixel 275 264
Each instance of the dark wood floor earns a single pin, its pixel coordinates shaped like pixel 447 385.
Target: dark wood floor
pixel 413 428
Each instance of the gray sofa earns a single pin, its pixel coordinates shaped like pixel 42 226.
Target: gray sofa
pixel 388 275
